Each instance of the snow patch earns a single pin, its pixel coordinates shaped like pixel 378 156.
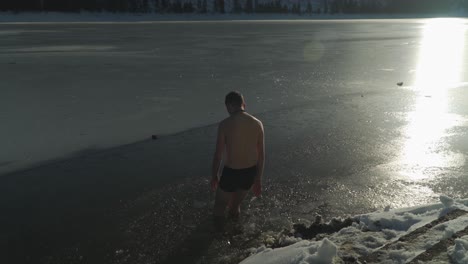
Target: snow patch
pixel 302 252
pixel 459 253
pixel 371 232
pixel 446 201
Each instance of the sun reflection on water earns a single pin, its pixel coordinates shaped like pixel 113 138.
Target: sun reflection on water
pixel 439 69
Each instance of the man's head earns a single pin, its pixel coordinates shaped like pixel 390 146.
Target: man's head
pixel 234 102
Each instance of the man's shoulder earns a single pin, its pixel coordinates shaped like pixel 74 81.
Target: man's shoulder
pixel 256 120
pixel 223 122
pixel 232 120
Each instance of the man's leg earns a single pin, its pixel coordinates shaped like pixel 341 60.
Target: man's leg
pixel 236 200
pixel 221 201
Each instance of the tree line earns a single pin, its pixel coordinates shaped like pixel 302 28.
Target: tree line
pixel 238 6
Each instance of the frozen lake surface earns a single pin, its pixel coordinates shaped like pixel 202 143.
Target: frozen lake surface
pixel 73 87
pixel 342 137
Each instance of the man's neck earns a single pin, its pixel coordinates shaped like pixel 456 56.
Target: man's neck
pixel 238 111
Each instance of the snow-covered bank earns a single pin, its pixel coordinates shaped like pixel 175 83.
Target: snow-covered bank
pixel 24 17
pixel 390 236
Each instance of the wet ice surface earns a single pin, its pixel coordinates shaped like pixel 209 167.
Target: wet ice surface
pixel 337 131
pixel 94 85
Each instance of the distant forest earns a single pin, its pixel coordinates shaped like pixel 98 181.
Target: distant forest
pixel 239 6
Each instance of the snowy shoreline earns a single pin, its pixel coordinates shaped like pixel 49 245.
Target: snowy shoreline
pixel 433 233
pixel 91 17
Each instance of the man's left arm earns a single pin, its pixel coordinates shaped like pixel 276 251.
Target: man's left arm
pixel 257 188
pixel 218 155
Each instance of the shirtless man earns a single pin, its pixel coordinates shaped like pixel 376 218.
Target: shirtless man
pixel 242 136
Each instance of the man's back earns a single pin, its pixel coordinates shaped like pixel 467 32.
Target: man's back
pixel 241 136
pixel 241 132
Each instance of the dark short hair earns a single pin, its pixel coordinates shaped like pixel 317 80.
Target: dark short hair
pixel 234 98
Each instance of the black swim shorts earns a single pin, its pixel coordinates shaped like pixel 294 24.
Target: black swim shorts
pixel 233 180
